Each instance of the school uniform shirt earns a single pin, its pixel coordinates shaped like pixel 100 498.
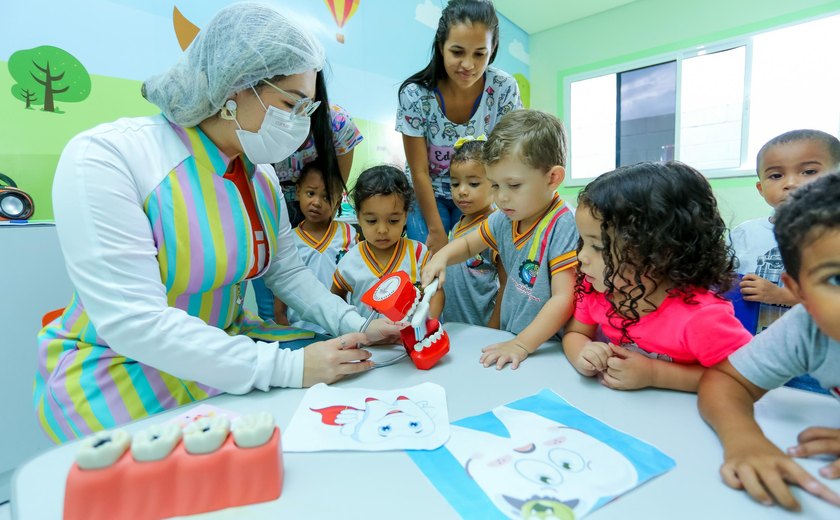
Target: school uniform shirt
pixel 321 256
pixel 531 257
pixel 471 286
pixel 420 115
pixel 756 252
pixel 791 347
pixel 359 270
pixel 159 245
pixel 705 331
pixel 346 136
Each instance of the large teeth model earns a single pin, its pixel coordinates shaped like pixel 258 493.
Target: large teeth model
pixel 414 305
pixel 102 449
pixel 253 430
pixel 427 342
pixel 155 442
pixel 206 435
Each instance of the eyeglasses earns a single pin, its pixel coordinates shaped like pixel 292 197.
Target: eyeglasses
pixel 304 107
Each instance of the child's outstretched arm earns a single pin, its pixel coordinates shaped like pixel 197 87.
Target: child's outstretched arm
pixel 553 315
pixel 751 461
pixel 458 250
pixel 587 356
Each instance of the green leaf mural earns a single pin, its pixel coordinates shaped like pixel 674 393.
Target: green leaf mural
pixel 524 89
pixel 47 74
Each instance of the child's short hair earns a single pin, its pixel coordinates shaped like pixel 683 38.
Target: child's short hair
pixel 808 212
pixel 383 179
pixel 665 224
pixel 830 142
pixel 537 137
pixel 471 150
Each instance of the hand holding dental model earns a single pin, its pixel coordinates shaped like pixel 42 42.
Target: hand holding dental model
pixel 397 299
pixel 226 464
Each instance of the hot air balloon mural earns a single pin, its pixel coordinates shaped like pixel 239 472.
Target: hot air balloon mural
pixel 342 10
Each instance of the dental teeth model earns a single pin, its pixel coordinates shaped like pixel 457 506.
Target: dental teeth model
pixel 102 449
pixel 252 430
pixel 155 442
pixel 396 298
pixel 206 435
pixel 172 472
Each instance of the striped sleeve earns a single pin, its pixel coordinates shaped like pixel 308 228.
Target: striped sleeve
pixel 562 250
pixel 341 282
pixel 487 234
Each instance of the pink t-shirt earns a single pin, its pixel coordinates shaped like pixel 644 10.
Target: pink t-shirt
pixel 706 331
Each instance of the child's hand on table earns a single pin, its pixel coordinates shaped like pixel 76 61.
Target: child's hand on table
pixel 592 358
pixel 628 370
pixel 819 441
pixel 757 466
pixel 501 354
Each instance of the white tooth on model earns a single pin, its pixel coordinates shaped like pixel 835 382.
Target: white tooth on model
pixel 252 430
pixel 155 442
pixel 206 435
pixel 418 347
pixel 102 449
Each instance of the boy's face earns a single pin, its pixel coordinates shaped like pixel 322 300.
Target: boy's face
pixel 312 195
pixel 470 187
pixel 382 219
pixel 785 167
pixel 819 281
pixel 521 192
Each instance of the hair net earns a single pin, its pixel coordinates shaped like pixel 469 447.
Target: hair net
pixel 242 44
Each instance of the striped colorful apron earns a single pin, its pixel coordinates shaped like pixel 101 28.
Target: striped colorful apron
pixel 205 249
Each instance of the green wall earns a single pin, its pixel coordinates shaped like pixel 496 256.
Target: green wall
pixel 647 28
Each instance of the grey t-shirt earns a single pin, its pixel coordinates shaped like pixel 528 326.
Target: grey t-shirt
pixel 530 258
pixel 792 346
pixel 471 286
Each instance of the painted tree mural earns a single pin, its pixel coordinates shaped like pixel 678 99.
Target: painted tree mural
pixel 47 74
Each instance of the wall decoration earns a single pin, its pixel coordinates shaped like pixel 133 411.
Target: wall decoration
pixel 47 74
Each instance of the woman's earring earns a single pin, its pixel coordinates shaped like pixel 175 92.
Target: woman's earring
pixel 228 111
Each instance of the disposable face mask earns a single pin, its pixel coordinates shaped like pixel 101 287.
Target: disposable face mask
pixel 280 134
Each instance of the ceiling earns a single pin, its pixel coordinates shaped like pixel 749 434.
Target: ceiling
pixel 534 16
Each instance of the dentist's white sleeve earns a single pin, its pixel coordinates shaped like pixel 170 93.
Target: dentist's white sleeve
pixel 101 182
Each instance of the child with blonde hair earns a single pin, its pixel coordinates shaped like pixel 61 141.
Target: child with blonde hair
pixel 533 232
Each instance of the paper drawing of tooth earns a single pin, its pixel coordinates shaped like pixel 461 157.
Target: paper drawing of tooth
pixel 252 430
pixel 380 420
pixel 206 435
pixel 102 449
pixel 155 442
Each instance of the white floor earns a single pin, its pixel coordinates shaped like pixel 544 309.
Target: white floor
pixel 5 511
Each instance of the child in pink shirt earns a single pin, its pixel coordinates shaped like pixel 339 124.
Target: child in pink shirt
pixel 653 266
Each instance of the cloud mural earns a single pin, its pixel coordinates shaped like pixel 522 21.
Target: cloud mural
pixel 517 50
pixel 428 14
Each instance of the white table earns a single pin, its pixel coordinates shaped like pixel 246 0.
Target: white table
pixel 389 485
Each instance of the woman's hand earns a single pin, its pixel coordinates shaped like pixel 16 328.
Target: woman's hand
pixel 435 240
pixel 385 331
pixel 331 360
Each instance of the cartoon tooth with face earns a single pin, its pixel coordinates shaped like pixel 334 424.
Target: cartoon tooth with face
pixel 544 469
pixel 380 420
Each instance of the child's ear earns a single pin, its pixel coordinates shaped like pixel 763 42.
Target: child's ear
pixel 759 188
pixel 792 285
pixel 555 176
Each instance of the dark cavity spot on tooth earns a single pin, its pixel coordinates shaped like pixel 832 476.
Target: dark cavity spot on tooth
pixel 101 442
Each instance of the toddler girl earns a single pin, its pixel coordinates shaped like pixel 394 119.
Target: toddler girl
pixel 382 196
pixel 472 286
pixel 653 266
pixel 320 241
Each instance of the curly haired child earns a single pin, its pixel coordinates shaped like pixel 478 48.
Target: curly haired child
pixel 653 265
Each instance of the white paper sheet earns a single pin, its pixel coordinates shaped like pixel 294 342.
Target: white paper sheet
pixel 360 419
